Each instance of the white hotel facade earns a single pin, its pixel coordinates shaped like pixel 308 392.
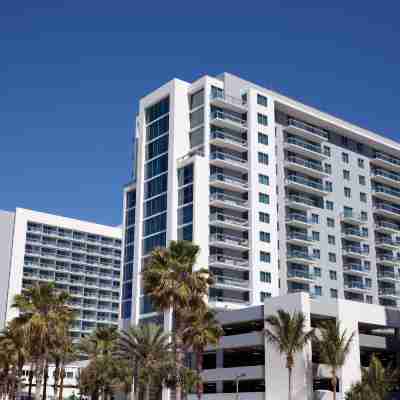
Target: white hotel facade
pixel 280 197
pixel 80 257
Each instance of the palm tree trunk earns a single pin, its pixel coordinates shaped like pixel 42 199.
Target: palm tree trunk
pixel 199 369
pixel 30 382
pixel 56 377
pixel 290 383
pixel 38 380
pixel 60 391
pixel 334 383
pixel 45 377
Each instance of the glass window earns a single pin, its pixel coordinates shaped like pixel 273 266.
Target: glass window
pixel 185 175
pixel 331 239
pixel 265 236
pixel 265 277
pixel 317 253
pixel 361 180
pixel 263 179
pixel 154 241
pixel 346 174
pixel 262 100
pixel 185 215
pixel 263 217
pixel 334 293
pixel 156 205
pixel 197 99
pixel 318 290
pixel 332 257
pixel 263 158
pixel 157 110
pixel 156 186
pixel 328 186
pixel 155 224
pixel 186 233
pixel 263 198
pixel 185 195
pixel 327 151
pixel 361 163
pixel 345 158
pixel 364 215
pixel 157 128
pixel 329 205
pixel 196 137
pixel 315 218
pixel 157 147
pixel 262 138
pixel 196 118
pixel 369 299
pixel 317 272
pixel 333 275
pixel 315 236
pixel 363 197
pixel 262 119
pixel 328 168
pixel 265 257
pixel 347 192
pixel 264 295
pixel 157 166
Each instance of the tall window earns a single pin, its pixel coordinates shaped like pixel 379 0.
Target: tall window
pixel 262 100
pixel 262 119
pixel 262 158
pixel 262 138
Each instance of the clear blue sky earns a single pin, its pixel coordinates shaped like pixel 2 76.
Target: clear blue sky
pixel 71 74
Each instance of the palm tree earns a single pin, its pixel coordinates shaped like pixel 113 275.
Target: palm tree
pixel 41 309
pixel 173 285
pixel 202 329
pixel 288 333
pixel 147 350
pixel 334 347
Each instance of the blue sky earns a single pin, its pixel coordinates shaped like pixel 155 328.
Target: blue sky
pixel 71 74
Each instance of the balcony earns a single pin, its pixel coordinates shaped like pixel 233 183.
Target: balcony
pixel 382 176
pixel 300 257
pixel 300 276
pixel 230 281
pixel 387 243
pixel 386 193
pixel 352 218
pixel 386 161
pixel 388 260
pixel 298 220
pixel 229 221
pixel 387 227
pixel 389 293
pixel 214 300
pixel 221 138
pixel 226 201
pixel 229 242
pixel 387 210
pixel 304 148
pixel 388 276
pixel 228 121
pixel 232 183
pixel 225 160
pixel 354 252
pixel 308 167
pixel 356 269
pixel 306 185
pixel 356 287
pixel 354 234
pixel 307 131
pixel 300 202
pixel 298 238
pixel 223 100
pixel 223 261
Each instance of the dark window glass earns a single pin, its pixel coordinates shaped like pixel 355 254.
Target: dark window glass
pixel 157 147
pixel 129 253
pixel 196 118
pixel 185 175
pixel 128 272
pixel 155 205
pixel 155 224
pixel 145 305
pixel 197 99
pixel 126 309
pixel 131 199
pixel 154 241
pixel 186 233
pixel 130 217
pixel 156 186
pixel 127 290
pixel 130 235
pixel 185 195
pixel 157 110
pixel 156 166
pixel 185 215
pixel 157 128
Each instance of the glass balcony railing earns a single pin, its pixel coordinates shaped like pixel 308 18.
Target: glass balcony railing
pixel 226 137
pixel 387 158
pixel 309 128
pixel 229 179
pixel 387 225
pixel 298 218
pixel 225 299
pixel 308 146
pixel 228 117
pixel 300 274
pixel 388 292
pixel 226 280
pixel 388 274
pixel 386 190
pixel 387 257
pixel 304 181
pixel 302 199
pixel 219 155
pixel 233 261
pixel 300 254
pixel 386 174
pixel 355 232
pixel 299 236
pixel 388 241
pixel 387 207
pixel 355 249
pixel 234 240
pixel 356 285
pixel 228 219
pixel 305 163
pixel 221 95
pixel 356 268
pixel 353 216
pixel 231 200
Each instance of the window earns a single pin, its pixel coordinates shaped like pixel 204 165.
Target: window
pixel 262 119
pixel 369 299
pixel 265 236
pixel 360 162
pixel 328 186
pixel 328 168
pixel 363 197
pixel 315 218
pixel 347 192
pixel 334 293
pixel 263 198
pixel 263 217
pixel 264 295
pixel 346 174
pixel 315 236
pixel 265 257
pixel 317 272
pixel 332 257
pixel 265 277
pixel 263 179
pixel 329 205
pixel 318 290
pixel 361 180
pixel 197 99
pixel 262 138
pixel 333 275
pixel 345 158
pixel 262 100
pixel 367 265
pixel 368 282
pixel 262 158
pixel 364 215
pixel 366 248
pixel 331 239
pixel 330 222
pixel 317 253
pixel 327 151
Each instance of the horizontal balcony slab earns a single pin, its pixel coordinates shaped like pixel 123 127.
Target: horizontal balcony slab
pixel 356 288
pixel 305 186
pixel 229 183
pixel 389 294
pixel 223 100
pixel 388 277
pixel 301 258
pixel 225 161
pixel 223 139
pixel 301 240
pixel 298 220
pixel 387 227
pixel 305 149
pixel 228 242
pixel 386 178
pixel 387 245
pixel 387 195
pixel 220 261
pixel 300 277
pixel 227 121
pixel 300 202
pixel 386 161
pixel 224 221
pixel 298 165
pixel 306 131
pixel 387 211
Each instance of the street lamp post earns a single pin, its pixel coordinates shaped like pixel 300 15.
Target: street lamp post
pixel 237 378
